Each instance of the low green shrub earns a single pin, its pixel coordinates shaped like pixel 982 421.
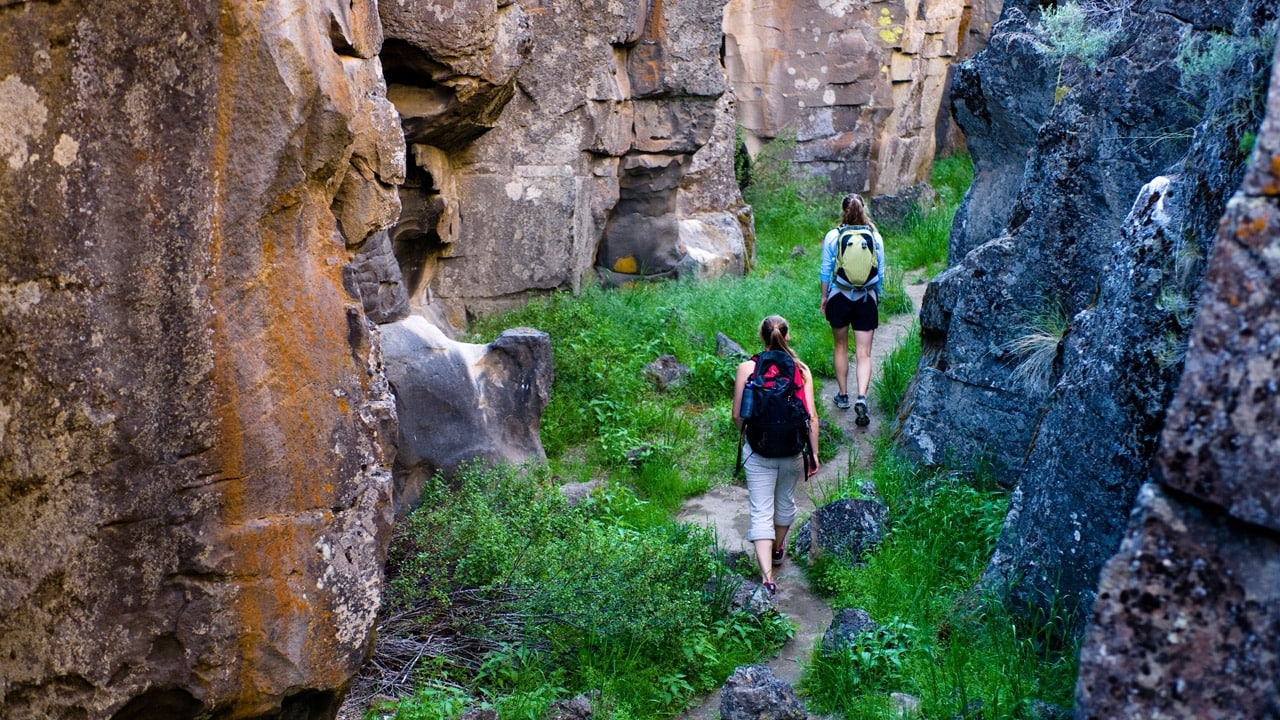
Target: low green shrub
pixel 517 600
pixel 870 665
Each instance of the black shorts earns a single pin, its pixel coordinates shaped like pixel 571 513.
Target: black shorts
pixel 861 315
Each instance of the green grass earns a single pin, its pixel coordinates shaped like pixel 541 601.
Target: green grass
pixel 920 240
pixel 897 371
pixel 481 590
pixel 512 599
pixel 937 642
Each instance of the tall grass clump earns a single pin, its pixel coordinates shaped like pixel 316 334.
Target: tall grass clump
pixel 1035 348
pixel 503 596
pixel 936 639
pixel 897 371
pixel 921 239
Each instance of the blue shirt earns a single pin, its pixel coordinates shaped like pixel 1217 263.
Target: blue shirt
pixel 828 268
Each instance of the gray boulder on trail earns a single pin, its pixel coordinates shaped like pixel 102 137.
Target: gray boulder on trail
pixel 754 693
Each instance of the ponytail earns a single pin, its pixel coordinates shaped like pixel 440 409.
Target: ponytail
pixel 853 210
pixel 773 333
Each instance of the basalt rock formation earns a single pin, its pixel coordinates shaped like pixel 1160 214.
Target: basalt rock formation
pixel 861 85
pixel 1097 194
pixel 554 142
pixel 1188 612
pixel 195 432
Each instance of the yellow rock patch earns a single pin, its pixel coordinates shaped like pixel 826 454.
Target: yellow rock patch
pixel 889 33
pixel 626 265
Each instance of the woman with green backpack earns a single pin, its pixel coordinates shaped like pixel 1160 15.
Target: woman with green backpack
pixel 851 273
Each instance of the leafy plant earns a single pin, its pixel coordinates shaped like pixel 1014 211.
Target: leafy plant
pixel 1067 32
pixel 871 663
pixel 1226 76
pixel 1071 31
pixel 1204 60
pixel 518 600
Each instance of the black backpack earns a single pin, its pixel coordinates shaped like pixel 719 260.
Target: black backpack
pixel 776 420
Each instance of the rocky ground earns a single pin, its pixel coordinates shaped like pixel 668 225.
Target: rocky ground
pixel 725 508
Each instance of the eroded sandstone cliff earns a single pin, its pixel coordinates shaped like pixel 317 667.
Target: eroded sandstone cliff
pixel 554 143
pixel 860 85
pixel 194 426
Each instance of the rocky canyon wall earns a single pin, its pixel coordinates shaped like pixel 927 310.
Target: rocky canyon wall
pixel 208 212
pixel 554 143
pixel 861 85
pixel 1186 621
pixel 195 431
pixel 1099 186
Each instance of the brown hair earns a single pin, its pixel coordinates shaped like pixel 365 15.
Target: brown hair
pixel 853 210
pixel 773 331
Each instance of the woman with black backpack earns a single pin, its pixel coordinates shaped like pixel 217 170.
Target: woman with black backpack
pixel 774 408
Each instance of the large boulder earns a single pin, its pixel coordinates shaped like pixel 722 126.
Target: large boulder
pixel 848 528
pixel 1188 611
pixel 462 402
pixel 1098 260
pixel 194 425
pixel 604 150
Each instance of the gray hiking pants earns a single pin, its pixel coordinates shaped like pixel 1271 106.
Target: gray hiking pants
pixel 771 487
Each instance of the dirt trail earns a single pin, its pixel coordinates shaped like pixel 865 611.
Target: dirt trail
pixel 725 509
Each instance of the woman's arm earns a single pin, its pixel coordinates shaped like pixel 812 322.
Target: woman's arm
pixel 739 383
pixel 826 267
pixel 812 407
pixel 879 264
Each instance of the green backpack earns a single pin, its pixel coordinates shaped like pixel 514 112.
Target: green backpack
pixel 856 263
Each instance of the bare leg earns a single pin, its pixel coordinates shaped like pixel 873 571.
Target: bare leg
pixel 841 357
pixel 764 556
pixel 862 340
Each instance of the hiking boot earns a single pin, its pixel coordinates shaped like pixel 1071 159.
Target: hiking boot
pixel 842 401
pixel 860 407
